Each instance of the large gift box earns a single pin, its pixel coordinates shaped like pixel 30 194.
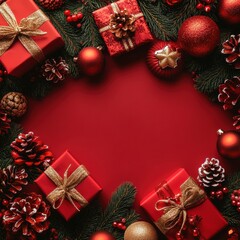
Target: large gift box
pixel 193 202
pixel 27 36
pixel 122 26
pixel 67 185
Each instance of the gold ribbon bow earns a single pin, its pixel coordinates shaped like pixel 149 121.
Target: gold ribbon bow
pixel 66 186
pixel 173 214
pixel 127 43
pixel 27 28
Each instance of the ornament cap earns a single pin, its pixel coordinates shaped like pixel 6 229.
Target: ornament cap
pixel 220 132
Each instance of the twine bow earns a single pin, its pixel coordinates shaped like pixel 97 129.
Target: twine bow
pixel 27 28
pixel 173 214
pixel 66 186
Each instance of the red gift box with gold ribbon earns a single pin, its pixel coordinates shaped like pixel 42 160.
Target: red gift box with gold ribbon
pixel 171 215
pixel 122 26
pixel 27 36
pixel 67 185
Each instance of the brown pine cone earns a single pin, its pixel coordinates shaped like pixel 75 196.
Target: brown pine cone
pixel 14 103
pixel 51 4
pixel 211 174
pixel 231 48
pixel 122 24
pixel 55 69
pixel 229 93
pixel 4 123
pixel 26 217
pixel 28 150
pixel 12 179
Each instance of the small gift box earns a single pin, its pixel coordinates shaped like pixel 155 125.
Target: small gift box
pixel 26 36
pixel 122 26
pixel 176 201
pixel 67 185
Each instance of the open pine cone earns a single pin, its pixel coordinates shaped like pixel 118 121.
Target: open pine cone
pixel 211 174
pixel 26 217
pixel 28 150
pixel 122 24
pixel 12 179
pixel 229 93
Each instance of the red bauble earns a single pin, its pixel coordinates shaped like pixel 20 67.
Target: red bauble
pixel 198 36
pixel 90 61
pixel 228 144
pixel 164 59
pixel 229 11
pixel 102 235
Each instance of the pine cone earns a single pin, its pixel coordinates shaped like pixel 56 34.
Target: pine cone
pixel 229 93
pixel 51 4
pixel 231 48
pixel 55 70
pixel 211 174
pixel 14 103
pixel 122 24
pixel 4 123
pixel 27 216
pixel 28 150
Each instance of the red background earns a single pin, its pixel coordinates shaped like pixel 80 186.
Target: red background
pixel 130 126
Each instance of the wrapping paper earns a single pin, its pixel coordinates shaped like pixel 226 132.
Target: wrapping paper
pixel 212 221
pixel 115 46
pixel 88 187
pixel 17 60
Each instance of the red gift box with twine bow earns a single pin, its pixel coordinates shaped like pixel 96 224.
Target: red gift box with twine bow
pixel 170 216
pixel 125 34
pixel 26 36
pixel 67 185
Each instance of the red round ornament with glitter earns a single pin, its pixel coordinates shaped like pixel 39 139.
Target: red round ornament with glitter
pixel 91 61
pixel 102 235
pixel 165 59
pixel 228 144
pixel 198 36
pixel 229 11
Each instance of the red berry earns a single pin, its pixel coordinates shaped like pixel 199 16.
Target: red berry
pixel 238 209
pixel 123 220
pixel 179 236
pixel 225 190
pixel 69 19
pixel 67 12
pixel 74 17
pixel 120 225
pixel 200 6
pixel 196 232
pixel 4 202
pixel 212 194
pixel 238 204
pixel 208 1
pixel 120 25
pixel 5 72
pixel 79 16
pixel 234 203
pixel 79 25
pixel 207 8
pixel 124 228
pixel 115 224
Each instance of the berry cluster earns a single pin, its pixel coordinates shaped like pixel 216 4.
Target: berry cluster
pixel 121 224
pixel 219 193
pixel 205 5
pixel 73 18
pixel 235 199
pixel 191 225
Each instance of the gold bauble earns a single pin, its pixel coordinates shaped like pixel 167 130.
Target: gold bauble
pixel 140 231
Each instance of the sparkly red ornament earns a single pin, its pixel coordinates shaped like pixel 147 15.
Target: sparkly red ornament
pixel 165 59
pixel 90 61
pixel 102 235
pixel 198 36
pixel 228 144
pixel 229 11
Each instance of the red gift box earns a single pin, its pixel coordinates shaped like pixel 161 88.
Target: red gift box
pixel 211 220
pixel 117 46
pixel 17 60
pixel 88 188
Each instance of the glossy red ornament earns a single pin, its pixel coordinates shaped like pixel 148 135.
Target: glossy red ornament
pixel 102 235
pixel 229 11
pixel 90 61
pixel 198 36
pixel 228 144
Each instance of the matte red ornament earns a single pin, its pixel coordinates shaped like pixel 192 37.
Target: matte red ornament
pixel 90 61
pixel 228 144
pixel 198 36
pixel 229 11
pixel 102 235
pixel 165 59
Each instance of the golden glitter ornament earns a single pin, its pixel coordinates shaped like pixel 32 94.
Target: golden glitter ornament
pixel 140 231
